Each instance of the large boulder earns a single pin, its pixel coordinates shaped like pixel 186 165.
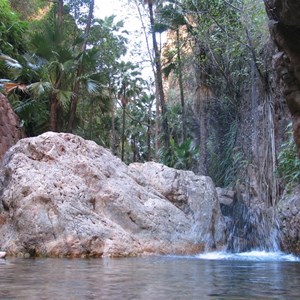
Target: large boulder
pixel 61 195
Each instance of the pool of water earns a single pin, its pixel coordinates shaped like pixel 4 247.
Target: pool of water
pixel 255 275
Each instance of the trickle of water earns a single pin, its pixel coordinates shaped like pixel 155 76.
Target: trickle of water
pixel 252 229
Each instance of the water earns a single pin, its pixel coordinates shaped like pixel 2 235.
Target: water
pixel 252 275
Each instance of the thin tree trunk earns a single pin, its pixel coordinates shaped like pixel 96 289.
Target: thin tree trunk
pixel 123 132
pixel 156 132
pixel 181 85
pixel 76 87
pixel 149 133
pixel 113 127
pixel 159 83
pixel 53 110
pixel 60 20
pixel 203 132
pixel 59 116
pixel 91 118
pixel 134 149
pixel 56 110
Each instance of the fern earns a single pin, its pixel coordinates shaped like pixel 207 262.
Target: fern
pixel 288 161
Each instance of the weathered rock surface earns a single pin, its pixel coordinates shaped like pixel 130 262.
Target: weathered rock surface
pixel 10 131
pixel 285 30
pixel 63 196
pixel 289 221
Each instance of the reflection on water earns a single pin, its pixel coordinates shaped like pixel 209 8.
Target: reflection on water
pixel 196 277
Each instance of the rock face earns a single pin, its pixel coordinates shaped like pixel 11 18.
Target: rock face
pixel 63 196
pixel 285 30
pixel 284 16
pixel 289 216
pixel 10 132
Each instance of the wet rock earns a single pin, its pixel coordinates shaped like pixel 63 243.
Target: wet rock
pixel 288 211
pixel 248 227
pixel 225 196
pixel 63 196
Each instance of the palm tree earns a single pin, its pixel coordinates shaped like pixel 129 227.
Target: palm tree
pixel 170 18
pixel 129 88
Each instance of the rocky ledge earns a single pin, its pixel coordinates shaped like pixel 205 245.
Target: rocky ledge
pixel 63 196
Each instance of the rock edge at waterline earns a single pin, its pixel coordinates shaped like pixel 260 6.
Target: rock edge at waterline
pixel 63 196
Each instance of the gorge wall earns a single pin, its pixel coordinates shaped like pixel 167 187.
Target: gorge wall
pixel 284 27
pixel 264 104
pixel 10 130
pixel 284 24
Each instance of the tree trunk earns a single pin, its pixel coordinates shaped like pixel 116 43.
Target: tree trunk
pixel 113 128
pixel 91 118
pixel 203 93
pixel 123 132
pixel 202 99
pixel 149 133
pixel 134 149
pixel 60 20
pixel 76 87
pixel 56 110
pixel 159 82
pixel 53 112
pixel 180 80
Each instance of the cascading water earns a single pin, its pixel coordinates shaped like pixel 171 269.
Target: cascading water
pixel 252 235
pixel 250 228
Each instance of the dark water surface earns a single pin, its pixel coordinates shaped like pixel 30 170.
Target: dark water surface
pixel 213 276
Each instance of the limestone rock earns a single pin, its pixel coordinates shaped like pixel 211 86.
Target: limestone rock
pixel 63 196
pixel 10 132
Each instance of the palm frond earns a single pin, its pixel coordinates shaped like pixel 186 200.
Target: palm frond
pixel 64 97
pixel 39 88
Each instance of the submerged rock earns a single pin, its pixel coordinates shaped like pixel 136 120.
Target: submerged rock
pixel 61 195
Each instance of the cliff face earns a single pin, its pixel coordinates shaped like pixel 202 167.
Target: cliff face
pixel 10 131
pixel 248 120
pixel 284 26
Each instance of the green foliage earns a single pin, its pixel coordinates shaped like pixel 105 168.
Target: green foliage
pixel 12 31
pixel 180 156
pixel 27 9
pixel 288 161
pixel 33 114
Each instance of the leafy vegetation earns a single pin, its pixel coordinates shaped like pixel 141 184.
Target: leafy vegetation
pixel 288 162
pixel 65 70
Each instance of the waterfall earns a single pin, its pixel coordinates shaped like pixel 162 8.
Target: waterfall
pixel 250 228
